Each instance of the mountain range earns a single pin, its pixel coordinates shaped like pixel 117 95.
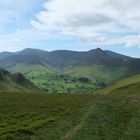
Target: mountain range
pixel 96 64
pixel 62 59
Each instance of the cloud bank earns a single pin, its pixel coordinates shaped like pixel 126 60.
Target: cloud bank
pixel 103 21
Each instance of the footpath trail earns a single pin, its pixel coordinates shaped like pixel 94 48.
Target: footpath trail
pixel 72 132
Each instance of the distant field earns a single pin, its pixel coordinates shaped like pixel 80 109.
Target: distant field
pixel 66 81
pixel 60 83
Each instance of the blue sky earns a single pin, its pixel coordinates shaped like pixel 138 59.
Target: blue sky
pixel 70 25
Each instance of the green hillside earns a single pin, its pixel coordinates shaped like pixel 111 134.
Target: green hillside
pixel 125 85
pixel 15 82
pixel 115 116
pixel 99 72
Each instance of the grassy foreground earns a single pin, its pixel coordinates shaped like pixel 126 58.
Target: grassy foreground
pixel 40 116
pixel 115 116
pixel 112 116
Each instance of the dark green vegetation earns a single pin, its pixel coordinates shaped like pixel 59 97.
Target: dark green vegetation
pixel 40 116
pixel 112 115
pixel 41 67
pixel 15 82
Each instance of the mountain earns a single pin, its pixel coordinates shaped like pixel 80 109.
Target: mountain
pixel 105 66
pixel 117 55
pixel 96 64
pixel 5 54
pixel 14 82
pixel 62 59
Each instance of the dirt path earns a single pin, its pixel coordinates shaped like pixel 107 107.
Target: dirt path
pixel 72 132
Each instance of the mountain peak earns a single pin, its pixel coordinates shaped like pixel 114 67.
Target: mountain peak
pixel 26 49
pixel 97 50
pixel 30 51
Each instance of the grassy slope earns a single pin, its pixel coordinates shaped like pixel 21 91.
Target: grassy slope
pixel 124 83
pixel 25 68
pixel 11 86
pixel 15 82
pixel 116 115
pixel 99 72
pixel 39 116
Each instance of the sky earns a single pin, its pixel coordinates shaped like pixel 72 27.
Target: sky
pixel 70 25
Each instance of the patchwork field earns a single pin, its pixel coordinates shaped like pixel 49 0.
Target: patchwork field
pixel 62 83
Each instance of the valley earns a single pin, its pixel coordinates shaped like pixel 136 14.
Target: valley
pixel 79 100
pixel 59 71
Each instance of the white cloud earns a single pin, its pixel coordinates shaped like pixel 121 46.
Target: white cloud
pixel 22 39
pixel 133 41
pixel 91 20
pixel 17 14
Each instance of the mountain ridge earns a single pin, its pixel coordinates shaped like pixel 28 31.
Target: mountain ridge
pixel 62 55
pixel 106 66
